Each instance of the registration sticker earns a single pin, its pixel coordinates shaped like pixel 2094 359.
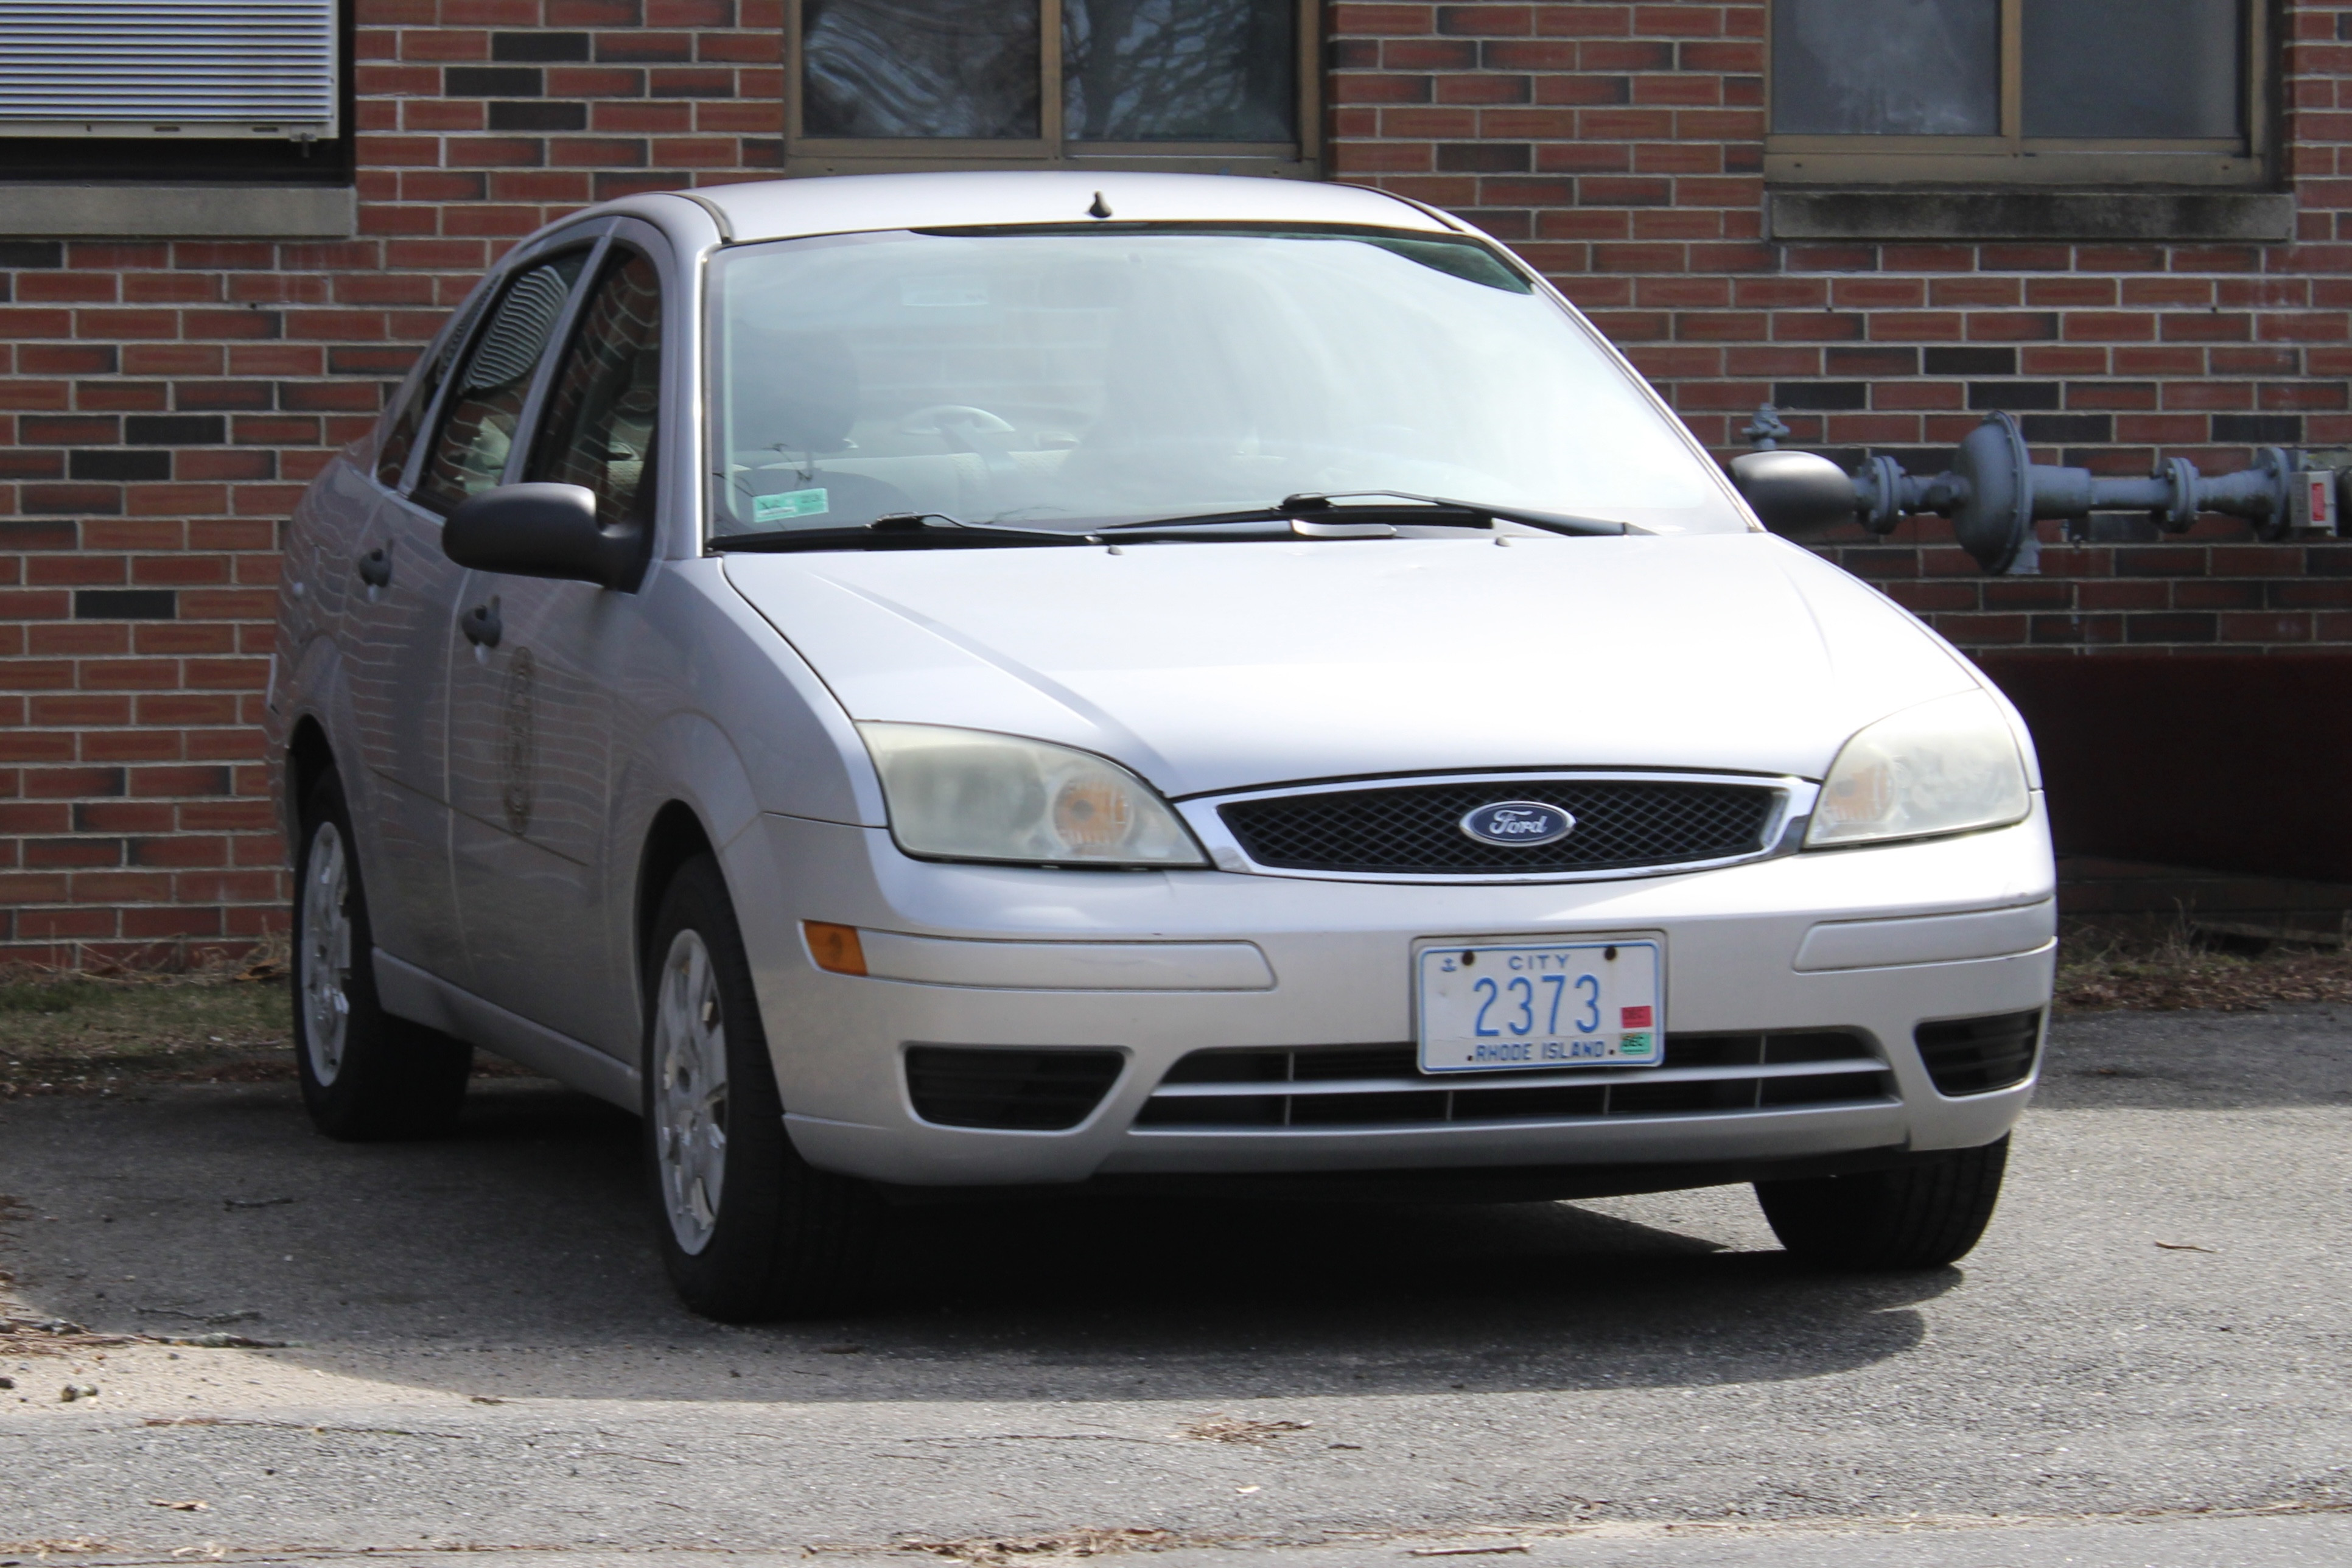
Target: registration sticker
pixel 790 504
pixel 1490 1006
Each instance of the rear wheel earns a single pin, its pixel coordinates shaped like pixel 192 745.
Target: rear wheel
pixel 748 1229
pixel 365 1074
pixel 1922 1214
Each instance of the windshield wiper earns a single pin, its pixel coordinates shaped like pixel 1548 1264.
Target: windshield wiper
pixel 1315 506
pixel 898 531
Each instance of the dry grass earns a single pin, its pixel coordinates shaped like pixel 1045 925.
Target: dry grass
pixel 74 1033
pixel 2166 965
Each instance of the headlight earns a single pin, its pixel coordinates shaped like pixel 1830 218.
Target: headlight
pixel 1945 766
pixel 967 794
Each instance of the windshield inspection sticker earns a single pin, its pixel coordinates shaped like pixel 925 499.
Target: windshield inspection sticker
pixel 792 504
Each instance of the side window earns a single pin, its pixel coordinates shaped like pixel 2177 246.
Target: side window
pixel 392 457
pixel 603 411
pixel 478 428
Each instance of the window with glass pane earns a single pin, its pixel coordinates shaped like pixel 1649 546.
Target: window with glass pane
pixel 1178 70
pixel 1042 79
pixel 2036 91
pixel 1886 67
pixel 477 435
pixel 2145 68
pixel 602 408
pixel 961 68
pixel 392 456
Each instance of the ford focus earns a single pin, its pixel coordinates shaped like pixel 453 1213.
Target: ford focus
pixel 1130 682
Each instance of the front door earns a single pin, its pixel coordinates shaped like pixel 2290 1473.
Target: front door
pixel 535 696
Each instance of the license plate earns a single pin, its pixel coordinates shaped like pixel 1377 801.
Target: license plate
pixel 1495 1006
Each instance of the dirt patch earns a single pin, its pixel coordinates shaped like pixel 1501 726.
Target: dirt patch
pixel 67 1032
pixel 80 1033
pixel 2165 965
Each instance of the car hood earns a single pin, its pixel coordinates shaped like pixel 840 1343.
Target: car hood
pixel 1209 668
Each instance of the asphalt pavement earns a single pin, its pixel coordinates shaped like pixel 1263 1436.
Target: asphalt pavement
pixel 2145 1364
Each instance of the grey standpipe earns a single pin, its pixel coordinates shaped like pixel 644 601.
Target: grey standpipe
pixel 1994 492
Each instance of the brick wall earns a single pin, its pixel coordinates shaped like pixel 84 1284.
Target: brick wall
pixel 161 406
pixel 162 403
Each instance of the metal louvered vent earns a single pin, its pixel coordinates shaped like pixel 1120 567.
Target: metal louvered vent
pixel 185 68
pixel 1415 830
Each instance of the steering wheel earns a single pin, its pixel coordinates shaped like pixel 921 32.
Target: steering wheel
pixel 936 419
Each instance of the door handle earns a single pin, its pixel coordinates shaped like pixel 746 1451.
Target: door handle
pixel 481 624
pixel 375 566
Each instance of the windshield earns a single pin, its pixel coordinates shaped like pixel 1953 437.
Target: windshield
pixel 1075 380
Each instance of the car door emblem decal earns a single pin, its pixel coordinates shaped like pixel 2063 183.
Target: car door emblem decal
pixel 519 759
pixel 1517 824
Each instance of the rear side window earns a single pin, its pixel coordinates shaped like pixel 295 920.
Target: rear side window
pixel 469 452
pixel 392 457
pixel 603 409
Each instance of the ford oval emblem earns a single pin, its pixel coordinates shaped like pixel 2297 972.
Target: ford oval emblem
pixel 1519 823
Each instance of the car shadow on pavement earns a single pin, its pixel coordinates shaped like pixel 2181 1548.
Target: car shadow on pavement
pixel 518 1253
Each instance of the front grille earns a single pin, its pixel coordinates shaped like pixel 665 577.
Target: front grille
pixel 1008 1091
pixel 1976 1056
pixel 1382 1086
pixel 1416 829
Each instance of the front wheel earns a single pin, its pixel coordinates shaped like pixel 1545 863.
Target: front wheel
pixel 1923 1215
pixel 747 1230
pixel 365 1074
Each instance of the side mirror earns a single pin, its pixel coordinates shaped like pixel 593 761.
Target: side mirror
pixel 1796 494
pixel 544 531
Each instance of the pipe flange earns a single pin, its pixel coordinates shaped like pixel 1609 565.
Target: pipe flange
pixel 1878 484
pixel 2278 465
pixel 2179 514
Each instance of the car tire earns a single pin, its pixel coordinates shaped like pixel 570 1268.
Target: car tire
pixel 1922 1214
pixel 365 1074
pixel 748 1231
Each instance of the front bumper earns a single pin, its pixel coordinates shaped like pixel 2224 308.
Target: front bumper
pixel 986 956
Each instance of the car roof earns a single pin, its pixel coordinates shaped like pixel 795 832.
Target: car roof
pixel 849 203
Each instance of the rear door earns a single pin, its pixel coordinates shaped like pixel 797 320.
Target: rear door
pixel 395 594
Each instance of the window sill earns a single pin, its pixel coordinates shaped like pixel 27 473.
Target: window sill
pixel 178 212
pixel 2145 217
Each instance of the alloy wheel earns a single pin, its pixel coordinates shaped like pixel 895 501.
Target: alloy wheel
pixel 326 953
pixel 690 1099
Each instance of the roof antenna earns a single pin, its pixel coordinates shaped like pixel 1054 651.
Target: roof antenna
pixel 1101 207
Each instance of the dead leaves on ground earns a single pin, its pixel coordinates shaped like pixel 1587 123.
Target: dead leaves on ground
pixel 1220 1427
pixel 995 1551
pixel 2164 968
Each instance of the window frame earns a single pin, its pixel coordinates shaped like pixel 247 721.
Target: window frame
pixel 1299 159
pixel 615 253
pixel 2011 158
pixel 586 240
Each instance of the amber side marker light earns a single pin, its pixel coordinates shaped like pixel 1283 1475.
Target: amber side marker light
pixel 835 948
